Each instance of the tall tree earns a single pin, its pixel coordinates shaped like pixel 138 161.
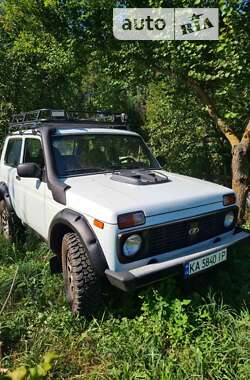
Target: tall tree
pixel 217 72
pixel 49 46
pixel 41 64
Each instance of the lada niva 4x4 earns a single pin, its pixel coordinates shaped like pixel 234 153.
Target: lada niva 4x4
pixel 93 190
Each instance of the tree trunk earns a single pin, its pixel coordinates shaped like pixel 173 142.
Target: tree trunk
pixel 241 172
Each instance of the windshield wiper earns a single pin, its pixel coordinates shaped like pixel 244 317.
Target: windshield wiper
pixel 86 170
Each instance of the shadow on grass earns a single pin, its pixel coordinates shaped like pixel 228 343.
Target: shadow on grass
pixel 229 283
pixel 11 253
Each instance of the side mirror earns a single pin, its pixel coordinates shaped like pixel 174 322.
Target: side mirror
pixel 29 170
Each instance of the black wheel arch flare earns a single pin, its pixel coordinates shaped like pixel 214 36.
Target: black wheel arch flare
pixel 67 220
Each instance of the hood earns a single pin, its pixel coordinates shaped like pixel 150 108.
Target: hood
pixel 101 197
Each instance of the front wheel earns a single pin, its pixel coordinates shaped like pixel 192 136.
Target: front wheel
pixel 10 226
pixel 6 227
pixel 82 285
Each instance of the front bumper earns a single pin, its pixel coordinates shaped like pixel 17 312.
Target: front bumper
pixel 148 274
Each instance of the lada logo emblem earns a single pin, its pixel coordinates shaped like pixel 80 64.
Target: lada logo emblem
pixel 194 229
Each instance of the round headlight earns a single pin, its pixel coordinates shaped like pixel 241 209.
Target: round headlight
pixel 132 245
pixel 229 219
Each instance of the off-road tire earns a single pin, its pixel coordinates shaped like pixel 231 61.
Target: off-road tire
pixel 82 285
pixel 10 226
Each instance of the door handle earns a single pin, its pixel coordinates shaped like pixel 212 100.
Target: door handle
pixel 18 178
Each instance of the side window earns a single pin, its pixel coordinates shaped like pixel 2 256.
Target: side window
pixel 33 152
pixel 13 152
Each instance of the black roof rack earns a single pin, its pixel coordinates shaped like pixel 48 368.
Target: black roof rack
pixel 35 119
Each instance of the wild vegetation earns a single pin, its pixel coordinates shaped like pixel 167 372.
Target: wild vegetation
pixel 173 330
pixel 190 100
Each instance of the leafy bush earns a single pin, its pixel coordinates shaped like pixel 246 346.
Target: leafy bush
pixel 38 372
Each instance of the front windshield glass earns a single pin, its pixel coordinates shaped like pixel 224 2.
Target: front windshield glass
pixel 94 153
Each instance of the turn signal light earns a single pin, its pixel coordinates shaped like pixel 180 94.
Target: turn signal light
pixel 98 224
pixel 229 199
pixel 131 219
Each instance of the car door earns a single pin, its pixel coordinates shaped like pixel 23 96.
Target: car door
pixel 32 190
pixel 10 158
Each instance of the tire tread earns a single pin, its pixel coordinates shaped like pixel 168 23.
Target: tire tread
pixel 87 289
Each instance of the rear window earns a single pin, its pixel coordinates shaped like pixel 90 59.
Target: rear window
pixel 13 152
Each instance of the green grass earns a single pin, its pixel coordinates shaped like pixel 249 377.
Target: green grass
pixel 173 330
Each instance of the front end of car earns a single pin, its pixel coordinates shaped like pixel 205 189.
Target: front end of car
pixel 149 223
pixel 148 251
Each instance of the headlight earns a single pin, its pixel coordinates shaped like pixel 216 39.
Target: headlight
pixel 229 219
pixel 132 245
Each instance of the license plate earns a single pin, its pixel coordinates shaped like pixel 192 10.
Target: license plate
pixel 204 263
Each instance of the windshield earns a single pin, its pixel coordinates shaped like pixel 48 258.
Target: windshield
pixel 94 153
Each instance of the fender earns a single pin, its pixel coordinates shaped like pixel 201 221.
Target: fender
pixel 67 220
pixel 4 195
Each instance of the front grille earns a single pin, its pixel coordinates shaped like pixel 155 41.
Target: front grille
pixel 177 235
pixel 169 237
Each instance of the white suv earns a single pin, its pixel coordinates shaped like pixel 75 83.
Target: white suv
pixel 96 194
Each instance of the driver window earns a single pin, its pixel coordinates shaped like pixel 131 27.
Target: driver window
pixel 33 152
pixel 13 152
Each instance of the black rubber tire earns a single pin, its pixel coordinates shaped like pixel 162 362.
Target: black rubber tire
pixel 82 285
pixel 10 226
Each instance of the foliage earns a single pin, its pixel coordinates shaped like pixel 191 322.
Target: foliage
pixel 38 56
pixel 6 110
pixel 63 50
pixel 180 133
pixel 167 331
pixel 221 68
pixel 38 372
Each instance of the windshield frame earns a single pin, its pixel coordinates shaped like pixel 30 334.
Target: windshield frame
pixel 155 166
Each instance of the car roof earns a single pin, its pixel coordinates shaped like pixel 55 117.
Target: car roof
pixel 73 131
pixel 59 130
